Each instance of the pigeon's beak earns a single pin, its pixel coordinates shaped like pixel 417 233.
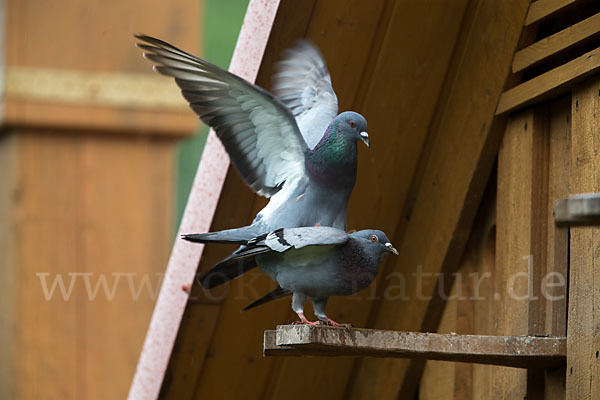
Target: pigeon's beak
pixel 364 136
pixel 391 248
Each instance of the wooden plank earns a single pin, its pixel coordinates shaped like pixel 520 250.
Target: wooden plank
pixel 550 84
pixel 8 270
pixel 578 210
pixel 554 44
pixel 114 322
pixel 48 361
pixel 515 351
pixel 450 187
pixel 542 9
pixel 35 114
pixel 518 261
pixel 438 380
pixel 104 45
pixel 558 239
pixel 398 126
pixel 583 379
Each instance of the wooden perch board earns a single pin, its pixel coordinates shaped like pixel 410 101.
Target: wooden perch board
pixel 578 210
pixel 511 351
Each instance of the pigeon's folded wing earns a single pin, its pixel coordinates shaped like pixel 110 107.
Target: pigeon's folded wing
pixel 284 239
pixel 258 131
pixel 303 84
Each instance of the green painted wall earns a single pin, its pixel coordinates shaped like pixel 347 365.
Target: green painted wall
pixel 222 22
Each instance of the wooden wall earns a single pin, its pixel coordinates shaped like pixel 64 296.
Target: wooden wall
pixel 515 242
pixel 87 175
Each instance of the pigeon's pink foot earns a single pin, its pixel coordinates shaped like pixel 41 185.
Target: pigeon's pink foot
pixel 328 321
pixel 304 321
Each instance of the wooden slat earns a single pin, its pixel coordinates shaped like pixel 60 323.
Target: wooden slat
pixel 515 351
pixel 542 9
pixel 36 114
pixel 519 256
pixel 583 342
pixel 578 210
pixel 550 84
pixel 558 239
pixel 461 154
pixel 547 47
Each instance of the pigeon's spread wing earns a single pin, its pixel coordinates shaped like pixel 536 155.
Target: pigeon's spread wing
pixel 257 130
pixel 285 239
pixel 303 84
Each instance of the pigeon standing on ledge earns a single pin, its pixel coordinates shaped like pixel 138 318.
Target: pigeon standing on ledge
pixel 311 263
pixel 295 151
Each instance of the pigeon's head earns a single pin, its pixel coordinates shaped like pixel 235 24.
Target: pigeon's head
pixel 353 126
pixel 375 242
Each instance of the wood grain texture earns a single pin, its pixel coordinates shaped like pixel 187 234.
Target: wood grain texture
pixel 8 289
pixel 75 222
pixel 460 157
pixel 40 35
pixel 550 84
pixel 583 342
pixel 542 9
pixel 554 44
pixel 516 351
pixel 515 258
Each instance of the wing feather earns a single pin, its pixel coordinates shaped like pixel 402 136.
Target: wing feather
pixel 303 84
pixel 258 131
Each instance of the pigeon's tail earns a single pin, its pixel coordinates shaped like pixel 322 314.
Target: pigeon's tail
pixel 238 263
pixel 235 236
pixel 275 294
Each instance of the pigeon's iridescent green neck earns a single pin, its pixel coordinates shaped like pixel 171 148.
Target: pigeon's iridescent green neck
pixel 333 160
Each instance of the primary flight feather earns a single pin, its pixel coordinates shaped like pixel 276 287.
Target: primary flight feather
pixel 293 148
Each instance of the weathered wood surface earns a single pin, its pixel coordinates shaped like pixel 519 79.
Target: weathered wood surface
pixel 583 341
pixel 578 210
pixel 542 9
pixel 554 44
pixel 513 351
pixel 550 84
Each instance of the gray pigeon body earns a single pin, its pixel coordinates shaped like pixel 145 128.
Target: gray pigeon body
pixel 292 148
pixel 312 263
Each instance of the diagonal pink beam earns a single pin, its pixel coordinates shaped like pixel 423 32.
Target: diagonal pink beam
pixel 198 216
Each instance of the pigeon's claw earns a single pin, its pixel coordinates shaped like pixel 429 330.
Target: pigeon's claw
pixel 304 321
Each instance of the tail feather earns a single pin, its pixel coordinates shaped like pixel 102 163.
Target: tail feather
pixel 235 236
pixel 238 263
pixel 274 295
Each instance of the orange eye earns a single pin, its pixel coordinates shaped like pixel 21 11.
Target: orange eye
pixel 373 238
pixel 352 124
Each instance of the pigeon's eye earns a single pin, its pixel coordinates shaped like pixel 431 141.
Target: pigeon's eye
pixel 352 124
pixel 373 238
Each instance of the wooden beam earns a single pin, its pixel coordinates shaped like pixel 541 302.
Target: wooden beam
pixel 511 351
pixel 554 44
pixel 543 9
pixel 578 210
pixel 460 155
pixel 550 84
pixel 583 342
